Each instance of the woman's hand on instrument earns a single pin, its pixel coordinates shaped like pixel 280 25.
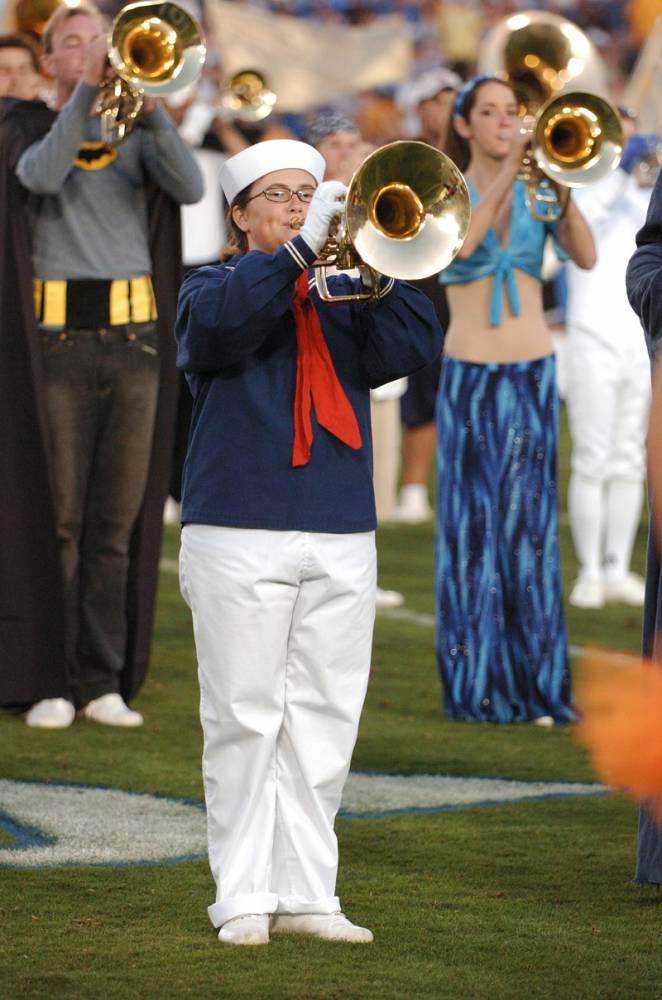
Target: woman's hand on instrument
pixel 522 141
pixel 326 205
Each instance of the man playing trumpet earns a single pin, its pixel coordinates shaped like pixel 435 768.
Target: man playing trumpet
pixel 101 340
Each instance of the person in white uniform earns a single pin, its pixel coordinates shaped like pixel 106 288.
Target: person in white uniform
pixel 278 539
pixel 608 389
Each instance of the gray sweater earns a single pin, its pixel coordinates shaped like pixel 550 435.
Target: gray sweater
pixel 93 223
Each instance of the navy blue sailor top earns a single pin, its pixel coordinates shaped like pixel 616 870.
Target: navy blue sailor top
pixel 237 345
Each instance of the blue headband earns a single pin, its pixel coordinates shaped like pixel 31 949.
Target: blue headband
pixel 463 94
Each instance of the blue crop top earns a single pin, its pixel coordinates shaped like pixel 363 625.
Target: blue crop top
pixel 524 251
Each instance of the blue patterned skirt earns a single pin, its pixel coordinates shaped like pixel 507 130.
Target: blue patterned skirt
pixel 501 638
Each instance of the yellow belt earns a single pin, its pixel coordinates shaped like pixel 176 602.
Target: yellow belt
pixel 123 301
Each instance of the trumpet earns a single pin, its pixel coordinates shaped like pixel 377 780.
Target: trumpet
pixel 406 215
pixel 246 95
pixel 155 48
pixel 577 136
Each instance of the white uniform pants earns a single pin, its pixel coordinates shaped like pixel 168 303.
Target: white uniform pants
pixel 283 625
pixel 386 439
pixel 607 397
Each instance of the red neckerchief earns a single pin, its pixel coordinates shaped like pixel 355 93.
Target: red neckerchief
pixel 317 383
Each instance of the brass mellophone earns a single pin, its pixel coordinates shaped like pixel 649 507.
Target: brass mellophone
pixel 406 215
pixel 155 48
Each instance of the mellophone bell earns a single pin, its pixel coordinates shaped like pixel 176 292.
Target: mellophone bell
pixel 154 48
pixel 406 215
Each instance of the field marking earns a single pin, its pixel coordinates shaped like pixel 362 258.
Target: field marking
pixel 58 825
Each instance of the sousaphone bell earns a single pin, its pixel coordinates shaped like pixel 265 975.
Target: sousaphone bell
pixel 554 69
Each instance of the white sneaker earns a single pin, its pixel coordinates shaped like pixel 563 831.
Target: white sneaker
pixel 588 592
pixel 413 505
pixel 330 926
pixel 51 713
pixel 253 928
pixel 388 599
pixel 627 589
pixel 111 710
pixel 172 512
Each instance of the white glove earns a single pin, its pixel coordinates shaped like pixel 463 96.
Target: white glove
pixel 327 205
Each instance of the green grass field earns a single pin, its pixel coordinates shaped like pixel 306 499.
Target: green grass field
pixel 501 902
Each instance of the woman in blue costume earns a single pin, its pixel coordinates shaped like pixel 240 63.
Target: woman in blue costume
pixel 501 636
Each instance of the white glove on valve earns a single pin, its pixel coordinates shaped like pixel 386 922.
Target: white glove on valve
pixel 327 204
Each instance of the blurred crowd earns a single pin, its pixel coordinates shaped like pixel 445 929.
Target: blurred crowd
pixel 441 33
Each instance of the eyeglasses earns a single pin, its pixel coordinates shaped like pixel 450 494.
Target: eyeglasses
pixel 284 194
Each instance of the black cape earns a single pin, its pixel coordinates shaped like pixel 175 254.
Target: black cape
pixel 644 288
pixel 32 663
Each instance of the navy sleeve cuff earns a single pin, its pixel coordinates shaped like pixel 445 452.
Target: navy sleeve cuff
pixel 300 252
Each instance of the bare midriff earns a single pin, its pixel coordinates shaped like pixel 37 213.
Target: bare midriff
pixel 518 338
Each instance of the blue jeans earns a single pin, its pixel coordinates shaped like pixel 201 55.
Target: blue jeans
pixel 101 393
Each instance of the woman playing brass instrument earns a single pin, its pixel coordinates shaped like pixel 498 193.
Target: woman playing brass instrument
pixel 501 638
pixel 278 544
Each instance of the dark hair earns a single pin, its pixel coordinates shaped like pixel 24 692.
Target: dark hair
pixel 64 13
pixel 24 42
pixel 455 145
pixel 237 242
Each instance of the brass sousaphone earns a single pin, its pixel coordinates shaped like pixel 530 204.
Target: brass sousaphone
pixel 155 48
pixel 406 215
pixel 555 70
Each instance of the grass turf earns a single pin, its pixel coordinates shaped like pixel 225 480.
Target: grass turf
pixel 528 900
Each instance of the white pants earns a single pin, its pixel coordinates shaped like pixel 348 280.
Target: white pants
pixel 283 625
pixel 386 437
pixel 607 397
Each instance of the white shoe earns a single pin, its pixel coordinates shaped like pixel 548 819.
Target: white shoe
pixel 111 710
pixel 253 928
pixel 330 926
pixel 413 505
pixel 172 512
pixel 388 599
pixel 627 589
pixel 588 592
pixel 51 713
pixel 546 721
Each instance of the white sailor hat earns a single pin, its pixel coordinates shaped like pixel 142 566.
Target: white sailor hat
pixel 244 168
